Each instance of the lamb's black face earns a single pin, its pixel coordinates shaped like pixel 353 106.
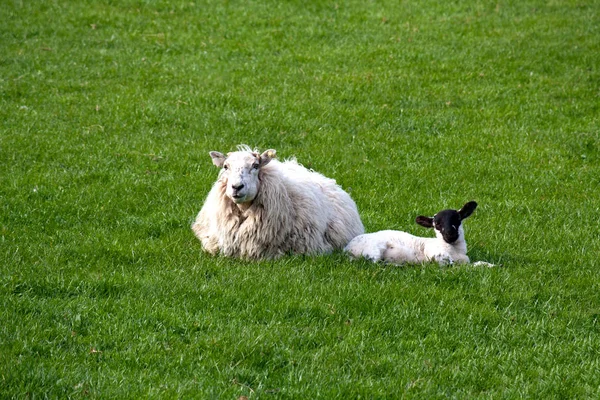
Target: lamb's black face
pixel 447 222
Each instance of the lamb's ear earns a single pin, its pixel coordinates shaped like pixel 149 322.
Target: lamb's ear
pixel 467 210
pixel 266 157
pixel 217 158
pixel 427 222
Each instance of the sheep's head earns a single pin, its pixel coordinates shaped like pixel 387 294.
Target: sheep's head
pixel 448 223
pixel 240 171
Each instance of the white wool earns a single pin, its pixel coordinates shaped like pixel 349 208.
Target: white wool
pixel 294 211
pixel 399 247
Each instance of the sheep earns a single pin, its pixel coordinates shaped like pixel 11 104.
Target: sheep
pixel 261 208
pixel 396 247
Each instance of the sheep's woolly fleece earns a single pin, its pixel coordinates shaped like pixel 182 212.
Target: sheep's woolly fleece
pixel 262 208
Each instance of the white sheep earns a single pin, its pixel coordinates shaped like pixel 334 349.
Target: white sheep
pixel 398 247
pixel 262 208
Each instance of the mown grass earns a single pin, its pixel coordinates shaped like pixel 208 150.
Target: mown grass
pixel 108 110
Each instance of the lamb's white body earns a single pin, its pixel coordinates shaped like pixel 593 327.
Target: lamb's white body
pixel 399 247
pixel 448 246
pixel 294 211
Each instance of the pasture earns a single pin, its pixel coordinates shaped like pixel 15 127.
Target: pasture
pixel 108 111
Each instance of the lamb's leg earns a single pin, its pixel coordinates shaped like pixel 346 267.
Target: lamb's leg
pixel 374 253
pixel 398 254
pixel 483 264
pixel 443 259
pixel 369 250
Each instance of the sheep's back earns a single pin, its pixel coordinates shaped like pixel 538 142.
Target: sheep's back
pixel 327 201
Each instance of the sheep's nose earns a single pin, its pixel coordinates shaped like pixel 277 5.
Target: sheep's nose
pixel 451 237
pixel 238 186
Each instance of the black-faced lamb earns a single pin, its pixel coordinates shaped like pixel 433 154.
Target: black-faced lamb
pixel 262 208
pixel 396 247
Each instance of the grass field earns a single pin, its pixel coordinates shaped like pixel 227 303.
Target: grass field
pixel 108 111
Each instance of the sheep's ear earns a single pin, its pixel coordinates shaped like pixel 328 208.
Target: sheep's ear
pixel 427 222
pixel 467 210
pixel 217 158
pixel 266 157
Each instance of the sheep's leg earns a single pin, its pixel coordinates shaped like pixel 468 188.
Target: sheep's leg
pixel 398 254
pixel 443 259
pixel 372 253
pixel 361 246
pixel 209 243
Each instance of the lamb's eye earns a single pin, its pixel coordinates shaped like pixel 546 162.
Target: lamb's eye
pixel 225 166
pixel 255 165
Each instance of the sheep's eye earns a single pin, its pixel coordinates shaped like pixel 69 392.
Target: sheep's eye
pixel 225 166
pixel 255 165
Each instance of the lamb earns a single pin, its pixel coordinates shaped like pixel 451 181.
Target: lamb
pixel 396 247
pixel 261 208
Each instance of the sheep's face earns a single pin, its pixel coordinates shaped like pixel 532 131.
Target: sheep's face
pixel 240 170
pixel 448 223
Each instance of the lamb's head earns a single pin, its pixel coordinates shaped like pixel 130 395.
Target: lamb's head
pixel 240 172
pixel 448 223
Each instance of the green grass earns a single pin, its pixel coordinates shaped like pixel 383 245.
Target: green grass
pixel 108 111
